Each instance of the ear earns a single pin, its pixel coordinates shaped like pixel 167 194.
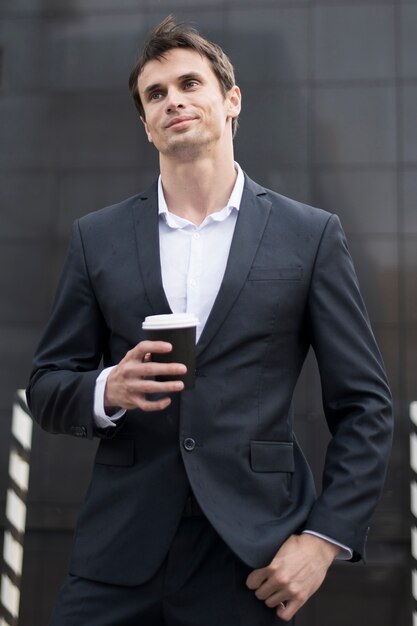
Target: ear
pixel 147 131
pixel 234 100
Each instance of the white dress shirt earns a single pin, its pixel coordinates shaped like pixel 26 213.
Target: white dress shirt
pixel 190 283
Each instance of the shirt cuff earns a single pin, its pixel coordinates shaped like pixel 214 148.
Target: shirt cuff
pixel 345 553
pixel 101 419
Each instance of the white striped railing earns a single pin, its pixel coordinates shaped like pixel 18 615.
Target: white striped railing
pixel 14 533
pixel 413 499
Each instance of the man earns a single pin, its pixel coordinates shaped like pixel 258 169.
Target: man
pixel 202 508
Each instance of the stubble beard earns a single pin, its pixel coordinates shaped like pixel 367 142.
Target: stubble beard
pixel 187 148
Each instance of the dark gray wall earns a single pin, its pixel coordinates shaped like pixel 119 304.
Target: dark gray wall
pixel 329 117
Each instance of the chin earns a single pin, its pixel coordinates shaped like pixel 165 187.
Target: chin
pixel 186 148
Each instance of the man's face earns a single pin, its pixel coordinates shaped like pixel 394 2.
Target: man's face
pixel 185 110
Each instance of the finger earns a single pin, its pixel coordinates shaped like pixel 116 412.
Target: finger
pixel 143 347
pixel 267 589
pixel 134 370
pixel 256 578
pixel 153 368
pixel 277 599
pixel 287 609
pixel 153 386
pixel 153 405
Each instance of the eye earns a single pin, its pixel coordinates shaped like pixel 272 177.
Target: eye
pixel 155 95
pixel 190 84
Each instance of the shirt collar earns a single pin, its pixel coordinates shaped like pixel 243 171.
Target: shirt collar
pixel 174 221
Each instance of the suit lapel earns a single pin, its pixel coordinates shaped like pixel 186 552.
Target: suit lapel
pixel 145 217
pixel 253 216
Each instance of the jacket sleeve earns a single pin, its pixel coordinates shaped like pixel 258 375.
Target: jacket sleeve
pixel 67 362
pixel 356 396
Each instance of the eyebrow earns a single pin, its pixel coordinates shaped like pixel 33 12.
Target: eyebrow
pixel 180 79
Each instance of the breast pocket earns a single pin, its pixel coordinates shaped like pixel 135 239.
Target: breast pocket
pixel 275 273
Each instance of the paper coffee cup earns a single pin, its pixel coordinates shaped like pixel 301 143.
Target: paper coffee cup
pixel 179 329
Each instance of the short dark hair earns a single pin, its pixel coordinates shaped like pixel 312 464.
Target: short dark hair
pixel 169 35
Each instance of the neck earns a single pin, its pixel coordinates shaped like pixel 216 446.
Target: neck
pixel 194 190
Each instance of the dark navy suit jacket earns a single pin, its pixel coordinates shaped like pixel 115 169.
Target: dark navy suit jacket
pixel 289 284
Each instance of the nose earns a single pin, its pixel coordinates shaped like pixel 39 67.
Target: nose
pixel 173 100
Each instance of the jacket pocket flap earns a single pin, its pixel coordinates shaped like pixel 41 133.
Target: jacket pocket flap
pixel 275 273
pixel 116 452
pixel 272 456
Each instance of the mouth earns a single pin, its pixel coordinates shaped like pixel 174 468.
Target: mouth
pixel 181 121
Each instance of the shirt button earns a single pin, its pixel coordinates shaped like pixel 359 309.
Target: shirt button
pixel 189 444
pixel 196 236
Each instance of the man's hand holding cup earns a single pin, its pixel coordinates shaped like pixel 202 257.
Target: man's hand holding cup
pixel 164 363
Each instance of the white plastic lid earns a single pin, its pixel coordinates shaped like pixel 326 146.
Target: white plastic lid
pixel 170 320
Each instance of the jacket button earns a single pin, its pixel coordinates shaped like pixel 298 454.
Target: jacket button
pixel 189 444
